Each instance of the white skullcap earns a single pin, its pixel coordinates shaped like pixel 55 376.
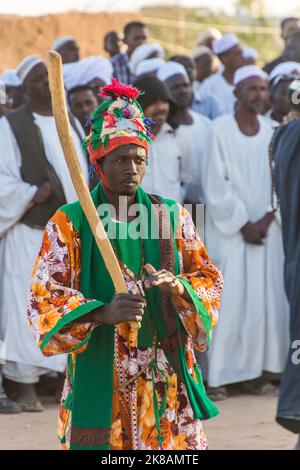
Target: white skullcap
pixel 61 42
pixel 285 68
pixel 27 64
pixel 142 52
pixel 228 41
pixel 250 53
pixel 248 71
pixel 149 66
pixel 208 34
pixel 85 70
pixel 169 69
pixel 201 50
pixel 10 78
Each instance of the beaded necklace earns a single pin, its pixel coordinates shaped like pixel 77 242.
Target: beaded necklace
pixel 127 270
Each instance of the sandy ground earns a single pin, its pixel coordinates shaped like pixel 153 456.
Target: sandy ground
pixel 245 422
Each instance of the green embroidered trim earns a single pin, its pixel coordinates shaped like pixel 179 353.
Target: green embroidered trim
pixel 199 306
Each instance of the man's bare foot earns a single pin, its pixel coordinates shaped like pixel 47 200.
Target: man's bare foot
pixel 217 393
pixel 260 387
pixel 27 398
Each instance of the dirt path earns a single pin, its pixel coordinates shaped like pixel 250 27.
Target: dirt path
pixel 245 422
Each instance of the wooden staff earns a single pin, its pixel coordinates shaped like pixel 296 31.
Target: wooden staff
pixel 63 126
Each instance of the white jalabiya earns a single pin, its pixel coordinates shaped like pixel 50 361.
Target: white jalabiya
pixel 170 166
pixel 253 330
pixel 221 90
pixel 20 243
pixel 197 135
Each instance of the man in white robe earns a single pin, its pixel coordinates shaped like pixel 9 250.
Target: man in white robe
pixel 220 85
pixel 170 166
pixel 245 239
pixel 7 406
pixel 191 128
pixel 68 48
pixel 20 242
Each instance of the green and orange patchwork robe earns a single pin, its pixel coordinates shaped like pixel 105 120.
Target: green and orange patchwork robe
pixel 161 414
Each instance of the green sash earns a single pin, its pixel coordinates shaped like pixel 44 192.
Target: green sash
pixel 91 402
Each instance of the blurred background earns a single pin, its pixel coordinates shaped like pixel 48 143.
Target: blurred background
pixel 176 25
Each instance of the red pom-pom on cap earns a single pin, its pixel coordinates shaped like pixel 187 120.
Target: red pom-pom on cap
pixel 116 89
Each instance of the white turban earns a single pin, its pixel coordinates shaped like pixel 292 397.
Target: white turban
pixel 85 70
pixel 149 66
pixel 248 71
pixel 61 42
pixel 250 53
pixel 228 41
pixel 169 69
pixel 27 64
pixel 142 52
pixel 10 78
pixel 210 33
pixel 285 68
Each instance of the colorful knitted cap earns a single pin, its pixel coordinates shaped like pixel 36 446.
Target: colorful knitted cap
pixel 118 121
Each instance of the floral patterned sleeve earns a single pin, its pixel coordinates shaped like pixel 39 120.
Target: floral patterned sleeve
pixel 203 282
pixel 55 302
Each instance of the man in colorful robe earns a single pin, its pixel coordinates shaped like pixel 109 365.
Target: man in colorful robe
pixel 118 396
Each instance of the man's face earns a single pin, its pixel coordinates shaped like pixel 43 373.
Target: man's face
pixel 36 85
pixel 233 59
pixel 280 97
pixel 125 168
pixel 293 48
pixel 180 90
pixel 253 94
pixel 208 42
pixel 82 103
pixel 290 26
pixel 158 112
pixel 135 38
pixel 204 66
pixel 69 52
pixel 112 44
pixel 249 61
pixel 96 84
pixel 189 65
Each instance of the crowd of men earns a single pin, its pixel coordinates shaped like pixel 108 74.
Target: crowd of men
pixel 214 116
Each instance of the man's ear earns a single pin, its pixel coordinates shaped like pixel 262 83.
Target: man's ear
pixel 237 92
pixel 23 90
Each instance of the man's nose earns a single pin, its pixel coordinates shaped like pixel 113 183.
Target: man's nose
pixel 86 109
pixel 131 168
